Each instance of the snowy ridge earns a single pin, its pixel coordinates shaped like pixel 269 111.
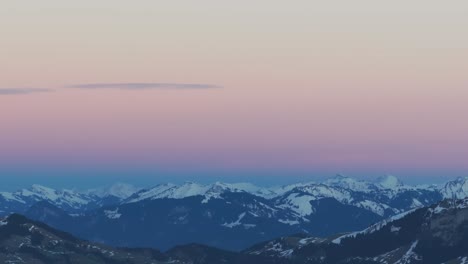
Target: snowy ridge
pixel 37 193
pixel 11 197
pixel 378 208
pixel 189 189
pixel 299 199
pixel 71 201
pixel 410 255
pixel 448 204
pixel 403 255
pixel 172 191
pixel 433 234
pixel 374 228
pixel 284 247
pixel 457 189
pixel 65 196
pixel 436 209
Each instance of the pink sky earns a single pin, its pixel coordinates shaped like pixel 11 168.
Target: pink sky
pixel 302 86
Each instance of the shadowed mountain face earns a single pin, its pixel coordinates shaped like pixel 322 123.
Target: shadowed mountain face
pixel 434 234
pixel 26 241
pixel 234 222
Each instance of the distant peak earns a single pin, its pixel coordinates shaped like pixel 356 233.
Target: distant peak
pixel 189 183
pixel 119 189
pixel 340 176
pixel 41 188
pixel 120 184
pixel 218 186
pixel 461 179
pixel 389 181
pixel 341 179
pixel 218 183
pixel 457 188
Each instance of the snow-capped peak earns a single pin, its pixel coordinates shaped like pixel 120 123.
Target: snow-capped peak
pixel 299 199
pixel 457 188
pixel 189 189
pixel 40 191
pixel 216 189
pixel 170 191
pixel 389 182
pixel 158 191
pixel 58 197
pixel 43 189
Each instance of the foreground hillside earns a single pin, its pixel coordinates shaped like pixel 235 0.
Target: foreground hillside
pixel 26 241
pixel 435 234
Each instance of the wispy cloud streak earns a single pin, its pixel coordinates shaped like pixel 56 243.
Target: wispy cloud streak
pixel 17 91
pixel 145 86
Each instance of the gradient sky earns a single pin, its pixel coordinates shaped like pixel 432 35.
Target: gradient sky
pixel 233 88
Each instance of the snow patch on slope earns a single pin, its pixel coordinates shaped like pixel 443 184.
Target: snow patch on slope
pixel 112 214
pixel 378 208
pixel 236 223
pixel 299 203
pixel 446 205
pixel 289 222
pixel 410 255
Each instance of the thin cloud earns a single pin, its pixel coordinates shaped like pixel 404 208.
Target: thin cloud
pixel 17 91
pixel 145 86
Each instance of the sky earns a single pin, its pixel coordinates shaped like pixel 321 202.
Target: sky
pixel 253 90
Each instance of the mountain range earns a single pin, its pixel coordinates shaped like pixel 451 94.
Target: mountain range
pixel 431 234
pixel 223 215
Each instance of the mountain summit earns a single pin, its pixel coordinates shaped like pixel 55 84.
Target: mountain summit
pixel 389 182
